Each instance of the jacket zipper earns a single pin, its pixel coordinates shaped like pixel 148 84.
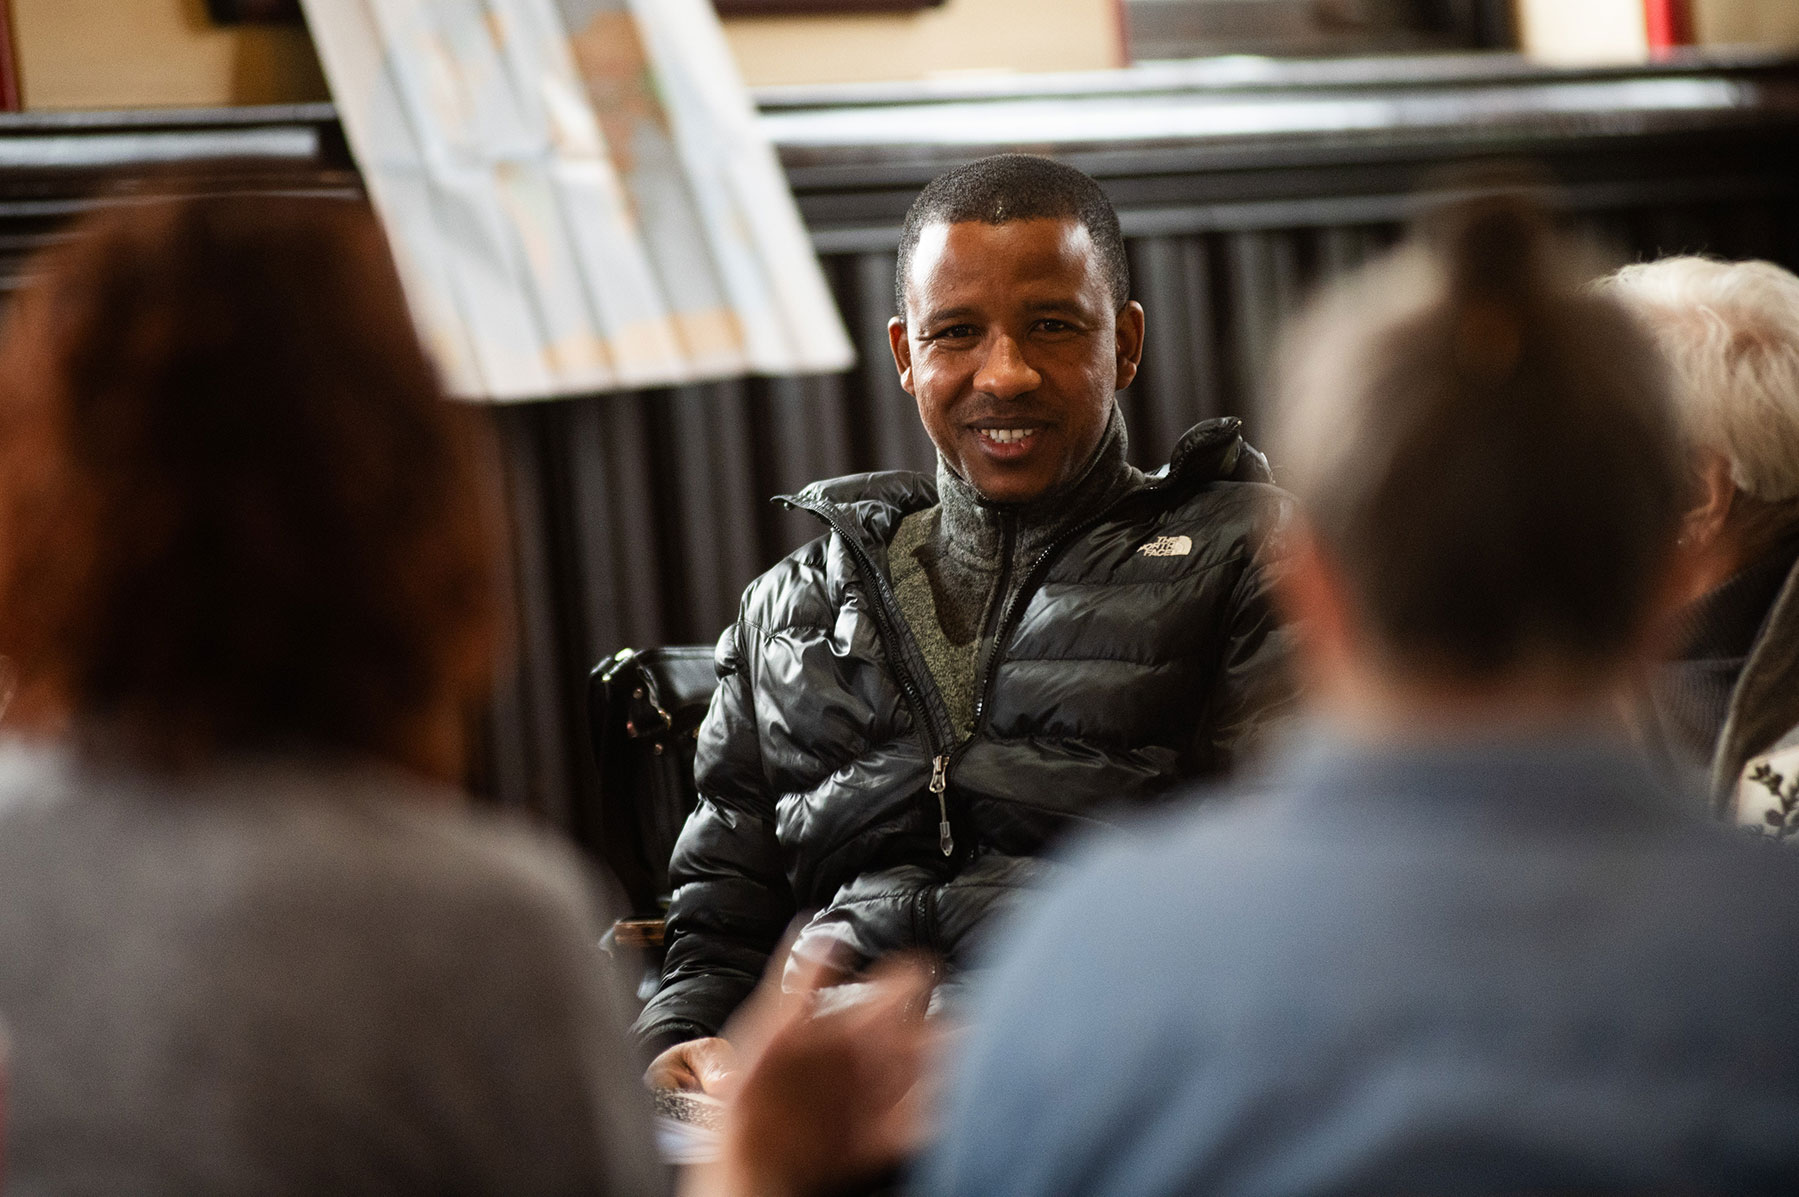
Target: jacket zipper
pixel 1008 538
pixel 884 607
pixel 924 927
pixel 940 787
pixel 885 604
pixel 984 684
pixel 1032 580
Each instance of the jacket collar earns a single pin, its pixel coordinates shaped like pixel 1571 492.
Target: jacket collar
pixel 1211 451
pixel 1765 704
pixel 974 531
pixel 1727 621
pixel 1582 775
pixel 1214 451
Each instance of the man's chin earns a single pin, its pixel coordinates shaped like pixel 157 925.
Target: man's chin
pixel 1006 491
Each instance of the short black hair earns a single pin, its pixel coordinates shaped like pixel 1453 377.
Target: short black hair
pixel 1008 187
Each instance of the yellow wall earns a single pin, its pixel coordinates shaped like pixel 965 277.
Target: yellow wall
pixel 138 53
pixel 1763 22
pixel 143 53
pixel 962 35
pixel 1590 31
pixel 153 53
pixel 1614 31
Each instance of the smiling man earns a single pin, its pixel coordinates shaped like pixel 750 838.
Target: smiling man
pixel 915 705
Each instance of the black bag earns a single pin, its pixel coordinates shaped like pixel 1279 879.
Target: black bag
pixel 644 709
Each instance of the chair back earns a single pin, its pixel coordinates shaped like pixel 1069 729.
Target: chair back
pixel 644 708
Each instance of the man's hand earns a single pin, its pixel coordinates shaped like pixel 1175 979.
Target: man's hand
pixel 706 1066
pixel 823 1098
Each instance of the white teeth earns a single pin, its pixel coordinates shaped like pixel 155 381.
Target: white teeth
pixel 1007 436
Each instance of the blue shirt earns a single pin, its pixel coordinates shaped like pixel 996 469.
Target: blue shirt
pixel 1470 967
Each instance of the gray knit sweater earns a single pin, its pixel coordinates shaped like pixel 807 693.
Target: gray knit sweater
pixel 958 565
pixel 300 977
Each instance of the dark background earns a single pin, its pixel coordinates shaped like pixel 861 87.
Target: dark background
pixel 231 12
pixel 639 517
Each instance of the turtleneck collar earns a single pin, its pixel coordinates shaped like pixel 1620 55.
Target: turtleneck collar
pixel 972 530
pixel 1726 621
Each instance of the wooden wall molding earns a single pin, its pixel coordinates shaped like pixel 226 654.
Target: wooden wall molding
pixel 816 8
pixel 639 517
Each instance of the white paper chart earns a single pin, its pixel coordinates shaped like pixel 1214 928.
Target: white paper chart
pixel 576 193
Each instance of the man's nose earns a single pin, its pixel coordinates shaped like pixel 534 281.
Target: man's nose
pixel 1004 373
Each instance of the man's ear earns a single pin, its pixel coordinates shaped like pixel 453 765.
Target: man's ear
pixel 1705 523
pixel 1704 557
pixel 1130 343
pixel 1312 595
pixel 902 351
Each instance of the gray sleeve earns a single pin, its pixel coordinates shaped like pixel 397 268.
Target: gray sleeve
pixel 547 1084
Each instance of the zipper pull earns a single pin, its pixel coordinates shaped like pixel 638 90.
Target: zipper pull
pixel 940 787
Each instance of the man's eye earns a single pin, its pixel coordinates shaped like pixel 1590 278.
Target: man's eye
pixel 955 332
pixel 1054 326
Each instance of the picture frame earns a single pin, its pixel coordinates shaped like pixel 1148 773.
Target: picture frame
pixel 1181 29
pixel 254 12
pixel 264 12
pixel 787 8
pixel 11 97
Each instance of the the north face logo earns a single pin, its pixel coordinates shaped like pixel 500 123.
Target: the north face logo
pixel 1168 546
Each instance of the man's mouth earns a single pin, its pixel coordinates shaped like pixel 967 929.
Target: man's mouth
pixel 1007 436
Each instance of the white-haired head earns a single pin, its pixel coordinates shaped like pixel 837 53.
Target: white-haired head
pixel 1730 332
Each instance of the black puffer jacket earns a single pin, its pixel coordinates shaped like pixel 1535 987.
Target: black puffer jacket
pixel 1140 653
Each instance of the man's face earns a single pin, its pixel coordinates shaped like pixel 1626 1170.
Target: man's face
pixel 1013 350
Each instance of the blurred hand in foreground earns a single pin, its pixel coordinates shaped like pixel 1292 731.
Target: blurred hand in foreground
pixel 706 1066
pixel 823 1098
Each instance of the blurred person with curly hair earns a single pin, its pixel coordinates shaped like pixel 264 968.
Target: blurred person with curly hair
pixel 251 937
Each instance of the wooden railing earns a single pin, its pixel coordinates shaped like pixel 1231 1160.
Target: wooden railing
pixel 639 517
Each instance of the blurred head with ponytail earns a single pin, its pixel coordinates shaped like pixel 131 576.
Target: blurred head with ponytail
pixel 1486 459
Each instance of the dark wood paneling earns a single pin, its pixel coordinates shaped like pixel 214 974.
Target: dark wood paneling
pixel 775 8
pixel 1160 29
pixel 259 12
pixel 639 517
pixel 10 97
pixel 55 166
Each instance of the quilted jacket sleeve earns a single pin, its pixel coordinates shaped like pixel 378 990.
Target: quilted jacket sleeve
pixel 732 901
